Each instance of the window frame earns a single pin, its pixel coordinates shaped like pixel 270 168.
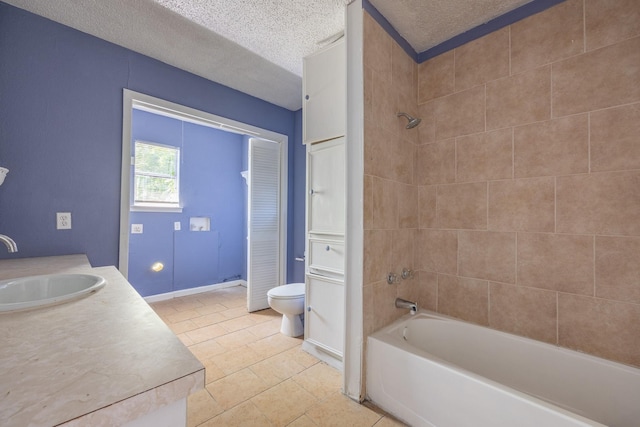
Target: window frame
pixel 147 206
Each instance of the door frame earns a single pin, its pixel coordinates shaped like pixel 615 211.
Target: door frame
pixel 354 346
pixel 135 100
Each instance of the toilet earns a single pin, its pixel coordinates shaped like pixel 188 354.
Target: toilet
pixel 289 301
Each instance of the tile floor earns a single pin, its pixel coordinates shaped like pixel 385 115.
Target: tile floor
pixel 256 376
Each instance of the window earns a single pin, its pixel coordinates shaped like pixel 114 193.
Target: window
pixel 156 183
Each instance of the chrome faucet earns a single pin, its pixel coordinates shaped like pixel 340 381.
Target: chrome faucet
pixel 9 243
pixel 403 303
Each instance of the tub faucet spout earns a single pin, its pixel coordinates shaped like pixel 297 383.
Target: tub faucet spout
pixel 9 243
pixel 403 303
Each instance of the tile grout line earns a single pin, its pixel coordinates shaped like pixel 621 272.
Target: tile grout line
pixel 516 258
pixel 510 51
pixel 555 204
pixel 584 27
pixel 589 141
pixel 487 191
pixel 558 318
pixel 513 152
pixel 594 267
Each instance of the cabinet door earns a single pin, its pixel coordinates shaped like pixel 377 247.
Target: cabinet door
pixel 324 316
pixel 324 94
pixel 326 187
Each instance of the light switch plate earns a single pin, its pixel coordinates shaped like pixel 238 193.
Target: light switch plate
pixel 136 228
pixel 176 226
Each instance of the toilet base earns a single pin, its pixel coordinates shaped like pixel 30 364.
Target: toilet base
pixel 291 325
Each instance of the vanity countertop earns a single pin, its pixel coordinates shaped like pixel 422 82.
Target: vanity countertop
pixel 20 267
pixel 100 360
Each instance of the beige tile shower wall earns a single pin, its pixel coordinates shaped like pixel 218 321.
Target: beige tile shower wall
pixel 526 178
pixel 391 194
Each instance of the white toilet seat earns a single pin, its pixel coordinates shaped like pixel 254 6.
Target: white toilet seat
pixel 289 291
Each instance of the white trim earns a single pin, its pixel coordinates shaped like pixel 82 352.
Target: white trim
pixel 193 291
pixel 354 237
pixel 152 208
pixel 191 115
pixel 326 233
pixel 131 100
pixel 327 356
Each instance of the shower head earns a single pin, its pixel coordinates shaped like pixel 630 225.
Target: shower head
pixel 413 121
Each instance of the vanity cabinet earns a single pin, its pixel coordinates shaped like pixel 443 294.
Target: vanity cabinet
pixel 323 93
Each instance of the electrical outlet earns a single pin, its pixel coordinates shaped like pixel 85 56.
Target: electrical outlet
pixel 136 228
pixel 176 226
pixel 63 220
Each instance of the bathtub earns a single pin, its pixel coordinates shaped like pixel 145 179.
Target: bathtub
pixel 432 370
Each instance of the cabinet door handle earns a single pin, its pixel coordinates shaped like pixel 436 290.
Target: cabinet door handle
pixel 309 309
pixel 311 192
pixel 306 97
pixel 328 248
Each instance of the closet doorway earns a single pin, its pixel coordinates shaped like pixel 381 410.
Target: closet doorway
pixel 267 180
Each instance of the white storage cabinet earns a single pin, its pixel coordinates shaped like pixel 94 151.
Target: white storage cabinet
pixel 324 107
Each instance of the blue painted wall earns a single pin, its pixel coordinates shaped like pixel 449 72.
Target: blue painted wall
pixel 61 131
pixel 211 186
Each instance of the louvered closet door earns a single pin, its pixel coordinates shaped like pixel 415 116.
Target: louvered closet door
pixel 263 272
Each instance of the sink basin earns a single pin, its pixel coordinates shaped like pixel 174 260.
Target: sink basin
pixel 38 291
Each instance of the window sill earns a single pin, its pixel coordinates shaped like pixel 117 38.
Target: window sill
pixel 153 208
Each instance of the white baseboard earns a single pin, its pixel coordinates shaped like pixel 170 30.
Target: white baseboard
pixel 323 355
pixel 192 291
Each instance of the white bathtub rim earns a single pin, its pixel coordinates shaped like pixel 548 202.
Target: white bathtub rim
pixel 391 336
pixel 392 327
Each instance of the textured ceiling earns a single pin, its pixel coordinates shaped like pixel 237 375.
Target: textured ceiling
pixel 254 46
pixel 282 32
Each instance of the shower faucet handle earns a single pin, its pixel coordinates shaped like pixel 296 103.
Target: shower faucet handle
pixel 407 273
pixel 392 278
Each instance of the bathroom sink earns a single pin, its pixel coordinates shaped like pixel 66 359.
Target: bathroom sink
pixel 38 291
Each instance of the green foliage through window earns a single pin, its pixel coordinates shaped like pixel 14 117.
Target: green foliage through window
pixel 156 174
